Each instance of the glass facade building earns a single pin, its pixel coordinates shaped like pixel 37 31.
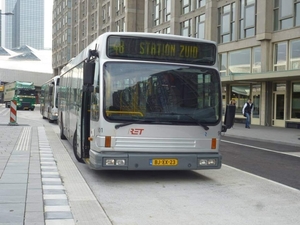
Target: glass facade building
pixel 26 26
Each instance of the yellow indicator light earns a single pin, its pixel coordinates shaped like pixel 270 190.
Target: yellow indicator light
pixel 213 143
pixel 107 141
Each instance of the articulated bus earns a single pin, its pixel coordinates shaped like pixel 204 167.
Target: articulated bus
pixel 141 101
pixel 49 99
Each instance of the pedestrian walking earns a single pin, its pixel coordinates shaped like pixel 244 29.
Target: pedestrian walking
pixel 247 110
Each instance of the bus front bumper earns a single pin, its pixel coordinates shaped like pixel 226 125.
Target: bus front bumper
pixel 154 161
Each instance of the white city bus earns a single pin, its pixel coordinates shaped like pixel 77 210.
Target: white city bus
pixel 141 101
pixel 48 99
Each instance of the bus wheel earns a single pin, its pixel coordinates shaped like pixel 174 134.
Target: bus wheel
pixel 75 148
pixel 62 136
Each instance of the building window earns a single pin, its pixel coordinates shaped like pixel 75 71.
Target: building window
pixel 124 25
pixel 247 18
pixel 297 12
pixel 256 60
pixel 200 3
pixel 286 14
pixel 240 61
pixel 186 6
pixel 240 94
pixel 186 28
pixel 280 56
pixel 167 30
pixel 223 64
pixel 295 54
pixel 295 101
pixel 83 9
pixel 104 14
pixel 118 8
pixel 200 26
pixel 226 23
pixel 156 14
pixel 167 11
pixel 120 25
pixel 256 92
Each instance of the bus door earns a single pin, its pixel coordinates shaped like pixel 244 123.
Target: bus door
pixel 95 109
pixel 84 124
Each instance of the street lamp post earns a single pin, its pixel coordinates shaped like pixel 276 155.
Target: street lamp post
pixel 4 14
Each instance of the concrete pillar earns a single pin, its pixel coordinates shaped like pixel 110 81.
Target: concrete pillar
pixel 148 16
pixel 287 100
pixel 211 20
pixel 175 14
pixel 268 90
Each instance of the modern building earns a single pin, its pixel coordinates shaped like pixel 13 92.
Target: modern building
pixel 25 26
pixel 258 43
pixel 24 64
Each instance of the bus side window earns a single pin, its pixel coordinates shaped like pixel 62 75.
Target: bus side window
pixel 95 99
pixel 95 106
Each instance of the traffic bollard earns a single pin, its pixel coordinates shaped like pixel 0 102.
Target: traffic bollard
pixel 13 113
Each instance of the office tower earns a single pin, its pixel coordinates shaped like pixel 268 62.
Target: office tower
pixel 26 26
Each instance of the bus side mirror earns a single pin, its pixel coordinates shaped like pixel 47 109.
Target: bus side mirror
pixel 50 90
pixel 88 73
pixel 224 128
pixel 229 116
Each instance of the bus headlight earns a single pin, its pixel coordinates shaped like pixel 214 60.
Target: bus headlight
pixel 115 162
pixel 207 162
pixel 109 162
pixel 120 162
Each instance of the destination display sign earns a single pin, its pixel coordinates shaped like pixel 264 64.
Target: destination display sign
pixel 157 49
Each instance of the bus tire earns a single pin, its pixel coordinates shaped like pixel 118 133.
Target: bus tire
pixel 75 148
pixel 61 133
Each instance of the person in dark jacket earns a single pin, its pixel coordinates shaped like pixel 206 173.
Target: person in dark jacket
pixel 247 110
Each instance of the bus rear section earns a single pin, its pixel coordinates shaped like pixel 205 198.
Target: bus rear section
pixel 49 99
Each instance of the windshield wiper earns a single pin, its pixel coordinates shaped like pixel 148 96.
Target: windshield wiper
pixel 140 121
pixel 205 127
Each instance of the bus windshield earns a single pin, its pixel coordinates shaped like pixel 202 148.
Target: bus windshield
pixel 151 92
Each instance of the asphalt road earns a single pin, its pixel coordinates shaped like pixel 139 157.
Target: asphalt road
pixel 262 158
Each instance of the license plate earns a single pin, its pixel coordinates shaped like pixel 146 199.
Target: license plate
pixel 164 162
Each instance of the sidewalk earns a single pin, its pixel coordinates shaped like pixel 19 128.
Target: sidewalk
pixel 40 184
pixel 273 134
pixel 31 191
